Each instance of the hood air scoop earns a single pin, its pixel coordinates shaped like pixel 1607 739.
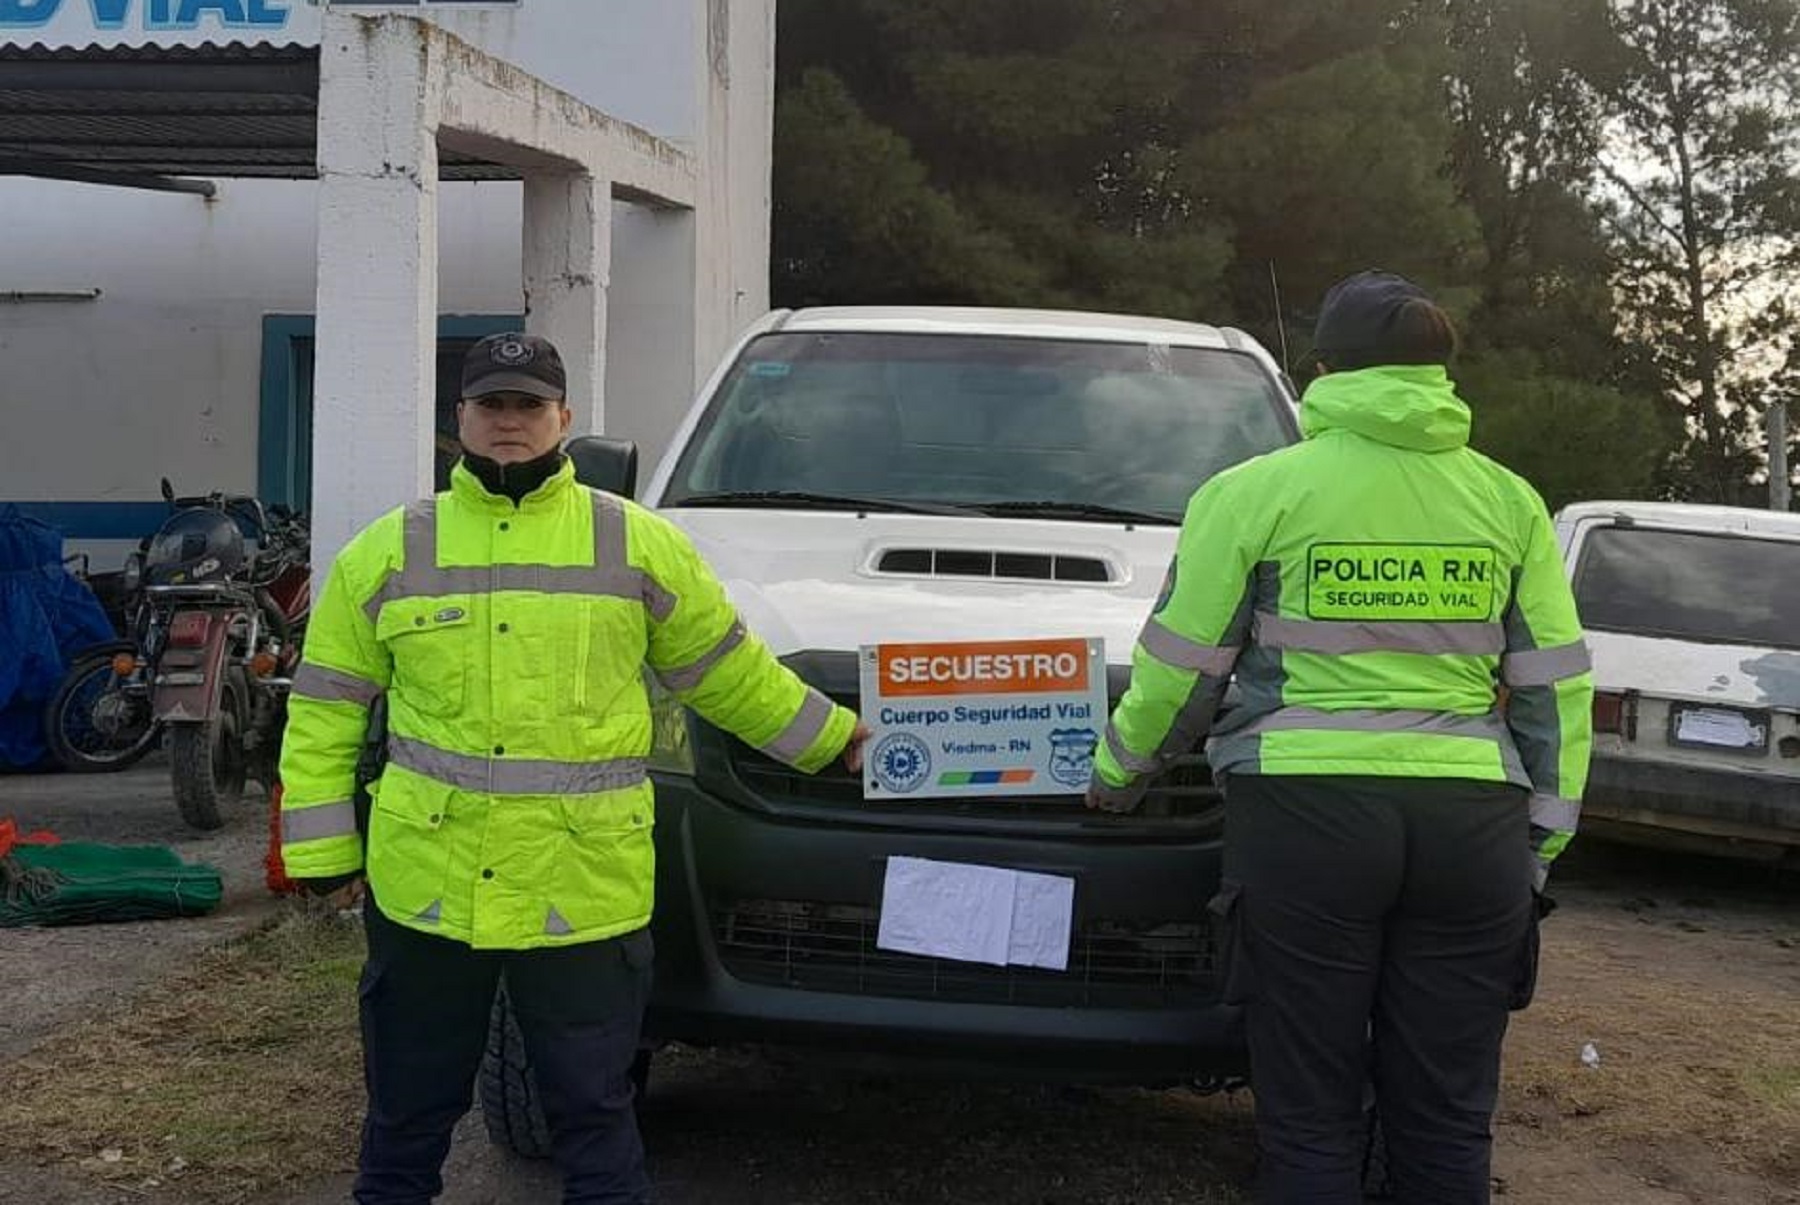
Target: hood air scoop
pixel 1004 566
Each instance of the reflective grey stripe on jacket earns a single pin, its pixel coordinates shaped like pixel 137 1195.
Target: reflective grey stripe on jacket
pixel 792 742
pixel 609 576
pixel 1555 813
pixel 514 776
pixel 1545 667
pixel 1211 666
pixel 1341 637
pixel 318 822
pixel 334 685
pixel 1240 749
pixel 1178 651
pixel 1532 675
pixel 691 675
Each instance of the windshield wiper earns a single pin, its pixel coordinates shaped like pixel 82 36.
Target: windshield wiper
pixel 1077 510
pixel 804 499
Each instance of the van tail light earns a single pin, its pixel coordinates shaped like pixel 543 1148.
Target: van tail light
pixel 1615 713
pixel 188 630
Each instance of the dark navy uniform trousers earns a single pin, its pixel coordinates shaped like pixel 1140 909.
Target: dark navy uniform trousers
pixel 1377 932
pixel 425 1006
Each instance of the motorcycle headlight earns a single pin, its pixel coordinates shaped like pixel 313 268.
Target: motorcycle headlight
pixel 133 576
pixel 671 739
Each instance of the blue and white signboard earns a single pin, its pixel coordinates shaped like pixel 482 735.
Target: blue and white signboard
pixel 184 22
pixel 1014 717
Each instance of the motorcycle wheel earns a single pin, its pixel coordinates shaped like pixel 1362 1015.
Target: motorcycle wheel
pixel 207 769
pixel 92 726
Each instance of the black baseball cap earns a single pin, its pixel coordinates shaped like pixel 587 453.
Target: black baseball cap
pixel 1357 314
pixel 514 363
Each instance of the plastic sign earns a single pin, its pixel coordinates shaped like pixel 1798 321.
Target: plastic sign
pixel 76 22
pixel 1013 717
pixel 150 14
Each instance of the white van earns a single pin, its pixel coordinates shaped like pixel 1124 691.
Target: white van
pixel 1693 616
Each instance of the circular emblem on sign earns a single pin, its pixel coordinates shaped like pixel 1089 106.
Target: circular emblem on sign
pixel 901 763
pixel 513 353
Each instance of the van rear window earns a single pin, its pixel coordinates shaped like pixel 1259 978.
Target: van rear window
pixel 1717 589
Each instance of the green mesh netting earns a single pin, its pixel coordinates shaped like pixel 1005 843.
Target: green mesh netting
pixel 81 883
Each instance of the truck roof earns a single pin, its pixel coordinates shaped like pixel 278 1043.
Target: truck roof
pixel 1691 516
pixel 1028 324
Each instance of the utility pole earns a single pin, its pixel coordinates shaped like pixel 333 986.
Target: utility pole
pixel 1779 487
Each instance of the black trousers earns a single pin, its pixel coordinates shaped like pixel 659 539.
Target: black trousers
pixel 425 1005
pixel 1377 932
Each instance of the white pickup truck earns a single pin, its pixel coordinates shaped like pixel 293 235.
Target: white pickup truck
pixel 864 476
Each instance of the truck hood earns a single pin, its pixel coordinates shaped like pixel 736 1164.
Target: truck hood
pixel 812 581
pixel 1744 675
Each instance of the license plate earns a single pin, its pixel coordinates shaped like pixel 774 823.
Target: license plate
pixel 1720 728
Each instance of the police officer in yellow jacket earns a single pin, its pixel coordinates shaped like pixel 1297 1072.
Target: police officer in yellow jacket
pixel 508 622
pixel 1391 810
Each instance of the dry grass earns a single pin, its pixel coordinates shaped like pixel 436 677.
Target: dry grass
pixel 1693 1057
pixel 232 1077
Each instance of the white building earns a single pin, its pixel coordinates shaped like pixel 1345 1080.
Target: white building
pixel 149 333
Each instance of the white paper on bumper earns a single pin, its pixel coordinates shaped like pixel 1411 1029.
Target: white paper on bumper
pixel 976 913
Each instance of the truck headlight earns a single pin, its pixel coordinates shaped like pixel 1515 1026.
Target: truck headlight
pixel 671 738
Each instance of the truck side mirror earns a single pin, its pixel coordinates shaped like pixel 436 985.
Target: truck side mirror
pixel 605 464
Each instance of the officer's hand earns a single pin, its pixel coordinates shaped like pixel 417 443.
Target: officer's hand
pixel 853 752
pixel 1102 797
pixel 339 892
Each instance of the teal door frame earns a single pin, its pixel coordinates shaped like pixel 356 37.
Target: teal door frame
pixel 284 432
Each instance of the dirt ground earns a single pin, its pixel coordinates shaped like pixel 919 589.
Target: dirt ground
pixel 1683 974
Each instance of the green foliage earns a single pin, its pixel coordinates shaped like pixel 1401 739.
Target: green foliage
pixel 1574 440
pixel 1006 152
pixel 1702 181
pixel 1336 168
pixel 1604 193
pixel 856 219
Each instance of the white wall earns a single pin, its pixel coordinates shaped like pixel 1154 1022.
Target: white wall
pixel 161 375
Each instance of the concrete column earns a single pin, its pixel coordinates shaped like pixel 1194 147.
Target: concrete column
pixel 374 412
pixel 567 263
pixel 655 312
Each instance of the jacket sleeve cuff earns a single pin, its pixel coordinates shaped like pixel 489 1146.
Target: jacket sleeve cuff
pixel 831 742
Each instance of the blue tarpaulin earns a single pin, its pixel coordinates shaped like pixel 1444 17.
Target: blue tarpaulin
pixel 46 616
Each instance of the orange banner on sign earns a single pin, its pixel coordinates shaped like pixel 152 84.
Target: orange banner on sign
pixel 1002 667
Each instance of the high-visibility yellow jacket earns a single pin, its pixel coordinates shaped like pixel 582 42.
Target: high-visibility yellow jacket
pixel 511 642
pixel 1372 588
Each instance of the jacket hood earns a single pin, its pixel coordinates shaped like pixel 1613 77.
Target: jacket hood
pixel 1407 406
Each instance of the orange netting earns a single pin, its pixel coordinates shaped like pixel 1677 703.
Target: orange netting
pixel 11 836
pixel 274 869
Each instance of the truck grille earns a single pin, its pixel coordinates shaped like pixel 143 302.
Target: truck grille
pixel 824 947
pixel 1186 793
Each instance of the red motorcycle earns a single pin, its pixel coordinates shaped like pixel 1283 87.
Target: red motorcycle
pixel 226 624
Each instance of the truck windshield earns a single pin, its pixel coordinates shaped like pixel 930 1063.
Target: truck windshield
pixel 1690 586
pixel 1074 429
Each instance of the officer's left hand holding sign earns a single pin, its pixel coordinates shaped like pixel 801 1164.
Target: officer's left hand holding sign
pixel 507 621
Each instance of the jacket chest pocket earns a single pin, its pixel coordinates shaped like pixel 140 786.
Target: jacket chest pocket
pixel 606 648
pixel 430 641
